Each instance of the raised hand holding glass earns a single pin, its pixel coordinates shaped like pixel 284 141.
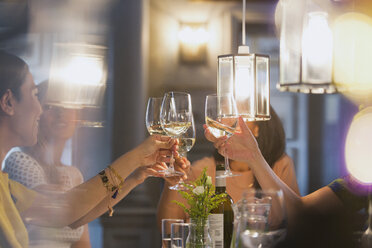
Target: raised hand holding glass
pixel 175 119
pixel 221 117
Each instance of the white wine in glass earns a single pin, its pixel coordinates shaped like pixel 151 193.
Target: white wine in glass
pixel 222 126
pixel 175 118
pixel 175 129
pixel 185 143
pixel 221 117
pixel 153 124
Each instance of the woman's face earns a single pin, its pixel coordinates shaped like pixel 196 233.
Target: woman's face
pixel 25 121
pixel 58 122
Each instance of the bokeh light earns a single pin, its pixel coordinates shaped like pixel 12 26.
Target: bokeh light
pixel 358 147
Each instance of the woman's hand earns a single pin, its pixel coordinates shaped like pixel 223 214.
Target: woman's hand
pixel 141 173
pixel 242 146
pixel 182 164
pixel 156 149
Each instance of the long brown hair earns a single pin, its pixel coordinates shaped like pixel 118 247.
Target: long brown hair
pixel 271 140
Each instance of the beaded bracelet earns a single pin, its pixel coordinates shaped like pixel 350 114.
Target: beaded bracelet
pixel 119 185
pixel 106 182
pixel 109 188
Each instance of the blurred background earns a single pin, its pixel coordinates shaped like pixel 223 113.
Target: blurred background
pixel 154 46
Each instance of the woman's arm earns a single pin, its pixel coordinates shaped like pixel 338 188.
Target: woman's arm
pixel 284 169
pixel 243 147
pixel 63 209
pixel 133 180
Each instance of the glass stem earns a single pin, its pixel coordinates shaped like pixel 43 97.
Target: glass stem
pixel 171 166
pixel 227 164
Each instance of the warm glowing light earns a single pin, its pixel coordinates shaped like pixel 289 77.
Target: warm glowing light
pixel 244 85
pixel 77 75
pixel 193 34
pixel 317 49
pixel 193 39
pixel 352 55
pixel 358 149
pixel 82 70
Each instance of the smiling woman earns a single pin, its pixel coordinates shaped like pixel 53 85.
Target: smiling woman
pixel 19 116
pixel 40 168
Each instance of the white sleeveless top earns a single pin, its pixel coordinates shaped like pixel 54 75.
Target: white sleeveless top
pixel 23 168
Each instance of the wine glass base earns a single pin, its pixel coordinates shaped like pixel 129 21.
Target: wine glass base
pixel 228 174
pixel 178 186
pixel 171 173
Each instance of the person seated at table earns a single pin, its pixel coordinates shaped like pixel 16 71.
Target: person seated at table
pixel 270 137
pixel 328 212
pixel 20 111
pixel 39 167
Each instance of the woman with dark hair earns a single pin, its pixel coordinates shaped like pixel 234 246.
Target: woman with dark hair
pixel 20 111
pixel 40 168
pixel 271 139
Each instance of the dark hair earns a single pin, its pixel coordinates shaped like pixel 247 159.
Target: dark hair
pixel 271 138
pixel 271 141
pixel 13 71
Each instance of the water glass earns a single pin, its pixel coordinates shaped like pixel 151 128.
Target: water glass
pixel 166 230
pixel 179 234
pixel 260 219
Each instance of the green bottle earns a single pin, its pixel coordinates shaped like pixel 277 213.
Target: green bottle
pixel 221 218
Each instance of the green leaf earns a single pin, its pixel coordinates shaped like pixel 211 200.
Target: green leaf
pixel 200 205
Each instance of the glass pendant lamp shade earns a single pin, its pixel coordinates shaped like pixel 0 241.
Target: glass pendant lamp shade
pixel 325 47
pixel 246 77
pixel 306 53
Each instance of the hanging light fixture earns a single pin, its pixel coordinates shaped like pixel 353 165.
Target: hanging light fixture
pixel 324 46
pixel 246 76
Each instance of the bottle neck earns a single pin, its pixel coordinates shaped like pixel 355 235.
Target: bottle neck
pixel 220 190
pixel 220 182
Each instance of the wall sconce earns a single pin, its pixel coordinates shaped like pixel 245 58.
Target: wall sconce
pixel 193 39
pixel 246 76
pixel 324 48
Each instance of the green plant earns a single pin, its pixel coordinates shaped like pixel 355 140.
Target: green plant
pixel 201 197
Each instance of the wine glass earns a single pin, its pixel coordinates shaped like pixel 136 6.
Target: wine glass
pixel 153 124
pixel 166 231
pixel 175 119
pixel 221 117
pixel 186 142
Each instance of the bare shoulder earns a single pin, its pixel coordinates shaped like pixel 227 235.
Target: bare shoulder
pixel 283 163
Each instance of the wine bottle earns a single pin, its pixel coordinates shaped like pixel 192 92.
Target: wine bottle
pixel 221 218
